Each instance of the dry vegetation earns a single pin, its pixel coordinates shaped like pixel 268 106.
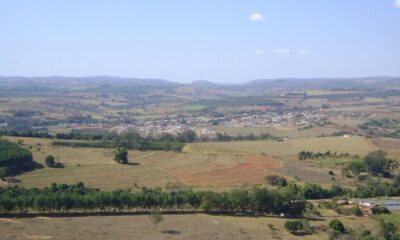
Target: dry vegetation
pixel 194 227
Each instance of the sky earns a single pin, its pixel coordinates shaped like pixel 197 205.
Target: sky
pixel 216 40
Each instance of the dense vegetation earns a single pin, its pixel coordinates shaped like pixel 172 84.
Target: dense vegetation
pixel 65 198
pixel 289 200
pixel 382 127
pixel 14 158
pixel 305 155
pixel 375 163
pixel 135 142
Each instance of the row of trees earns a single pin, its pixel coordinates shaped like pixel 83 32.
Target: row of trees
pixel 61 198
pixel 289 200
pixel 305 155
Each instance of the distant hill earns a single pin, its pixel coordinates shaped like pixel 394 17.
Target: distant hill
pixel 139 85
pixel 92 79
pixel 203 84
pixel 367 83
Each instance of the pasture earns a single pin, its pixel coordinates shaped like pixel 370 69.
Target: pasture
pixel 96 168
pixel 197 226
pixel 278 132
pixel 353 145
pixel 210 166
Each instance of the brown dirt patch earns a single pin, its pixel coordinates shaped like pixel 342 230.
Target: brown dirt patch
pixel 252 171
pixel 391 146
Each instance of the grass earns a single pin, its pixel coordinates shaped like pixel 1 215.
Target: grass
pixel 393 218
pixel 198 226
pixel 207 166
pixel 291 133
pixel 355 145
pixel 96 168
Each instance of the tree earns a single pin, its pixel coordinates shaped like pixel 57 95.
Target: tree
pixel 156 218
pixel 376 163
pixel 121 155
pixel 15 157
pixel 50 161
pixel 337 225
pixel 293 226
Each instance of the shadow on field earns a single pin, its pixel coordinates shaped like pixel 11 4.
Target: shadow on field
pixel 172 232
pixel 132 163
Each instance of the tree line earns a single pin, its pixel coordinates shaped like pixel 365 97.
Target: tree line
pixel 289 200
pixel 306 155
pixel 62 198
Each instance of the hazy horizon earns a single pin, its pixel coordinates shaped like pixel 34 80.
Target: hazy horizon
pixel 221 42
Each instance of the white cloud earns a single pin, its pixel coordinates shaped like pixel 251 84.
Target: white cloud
pixel 396 3
pixel 259 52
pixel 282 51
pixel 255 17
pixel 304 51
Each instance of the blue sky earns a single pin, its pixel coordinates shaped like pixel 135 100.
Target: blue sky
pixel 216 40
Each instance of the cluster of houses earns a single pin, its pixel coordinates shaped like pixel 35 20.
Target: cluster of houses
pixel 201 124
pixel 299 118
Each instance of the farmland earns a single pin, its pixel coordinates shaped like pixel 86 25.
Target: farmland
pixel 293 146
pixel 240 138
pixel 214 166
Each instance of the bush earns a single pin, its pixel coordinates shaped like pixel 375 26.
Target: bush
pixel 362 177
pixel 337 225
pixel 4 172
pixel 356 166
pixel 276 180
pixel 293 226
pixel 380 210
pixel 50 161
pixel 121 155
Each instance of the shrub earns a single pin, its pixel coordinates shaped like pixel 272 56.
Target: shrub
pixel 293 226
pixel 276 180
pixel 121 155
pixel 4 172
pixel 337 225
pixel 50 161
pixel 380 210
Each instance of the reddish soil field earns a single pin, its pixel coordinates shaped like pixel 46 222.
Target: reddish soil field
pixel 252 171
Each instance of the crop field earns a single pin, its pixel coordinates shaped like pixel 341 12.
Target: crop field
pixel 291 133
pixel 353 145
pixel 198 226
pixel 391 146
